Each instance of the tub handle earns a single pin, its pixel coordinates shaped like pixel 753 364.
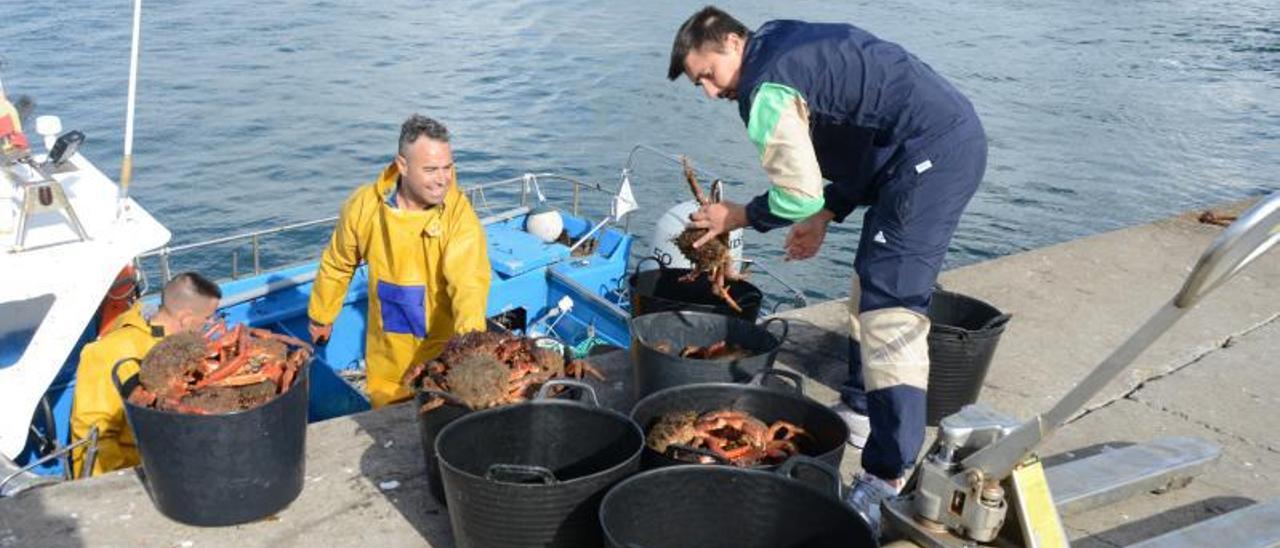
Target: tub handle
pixel 662 265
pixel 995 322
pixel 796 384
pixel 115 374
pixel 786 328
pixel 675 449
pixel 520 473
pixel 585 392
pixel 788 469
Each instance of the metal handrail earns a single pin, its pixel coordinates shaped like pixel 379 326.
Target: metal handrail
pixel 673 158
pixel 529 182
pixel 61 453
pixel 236 237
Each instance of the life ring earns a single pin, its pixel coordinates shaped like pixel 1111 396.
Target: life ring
pixel 120 296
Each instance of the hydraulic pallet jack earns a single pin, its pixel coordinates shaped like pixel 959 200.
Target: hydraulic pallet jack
pixel 982 470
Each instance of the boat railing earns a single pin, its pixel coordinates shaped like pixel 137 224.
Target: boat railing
pixel 528 187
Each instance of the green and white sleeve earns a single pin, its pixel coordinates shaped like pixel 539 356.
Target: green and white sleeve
pixel 779 128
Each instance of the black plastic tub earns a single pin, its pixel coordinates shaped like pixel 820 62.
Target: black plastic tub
pixel 660 289
pixel 656 370
pixel 962 341
pixel 705 505
pixel 216 470
pixel 429 426
pixel 827 432
pixel 533 474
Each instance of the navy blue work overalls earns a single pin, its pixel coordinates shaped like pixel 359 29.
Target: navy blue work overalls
pixel 891 134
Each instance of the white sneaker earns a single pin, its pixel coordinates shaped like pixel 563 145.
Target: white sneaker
pixel 859 425
pixel 865 496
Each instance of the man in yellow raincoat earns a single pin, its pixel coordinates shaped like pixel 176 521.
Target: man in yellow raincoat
pixel 186 303
pixel 428 264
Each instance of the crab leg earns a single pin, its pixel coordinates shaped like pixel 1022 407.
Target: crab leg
pixel 243 380
pixel 274 371
pixel 413 374
pixel 243 339
pixel 780 449
pixel 286 380
pixel 217 329
pixel 265 334
pixel 719 288
pixel 791 430
pixel 226 371
pixel 431 405
pixel 291 367
pixel 715 350
pixel 580 369
pixel 141 397
pixel 693 182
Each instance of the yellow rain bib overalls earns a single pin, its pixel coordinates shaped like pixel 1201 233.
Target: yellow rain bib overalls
pixel 428 278
pixel 96 402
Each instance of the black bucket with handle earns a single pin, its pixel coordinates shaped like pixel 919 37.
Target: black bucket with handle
pixel 962 341
pixel 701 505
pixel 533 474
pixel 661 288
pixel 657 368
pixel 825 432
pixel 226 469
pixel 430 423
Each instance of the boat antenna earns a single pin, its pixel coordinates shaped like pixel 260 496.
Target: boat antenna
pixel 126 166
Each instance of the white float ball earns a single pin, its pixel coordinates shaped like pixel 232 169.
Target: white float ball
pixel 545 223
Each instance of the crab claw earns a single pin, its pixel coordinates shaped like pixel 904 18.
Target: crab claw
pixel 412 375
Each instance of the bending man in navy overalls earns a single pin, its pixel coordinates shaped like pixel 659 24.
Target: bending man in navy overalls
pixel 833 102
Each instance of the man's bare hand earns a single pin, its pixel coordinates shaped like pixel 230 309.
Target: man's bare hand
pixel 719 218
pixel 805 237
pixel 319 333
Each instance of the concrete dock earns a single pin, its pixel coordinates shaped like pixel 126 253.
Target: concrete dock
pixel 1216 375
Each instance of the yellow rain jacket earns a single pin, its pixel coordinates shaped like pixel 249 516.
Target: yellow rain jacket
pixel 428 278
pixel 96 402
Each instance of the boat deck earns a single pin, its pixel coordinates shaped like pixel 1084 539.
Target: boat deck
pixel 1213 376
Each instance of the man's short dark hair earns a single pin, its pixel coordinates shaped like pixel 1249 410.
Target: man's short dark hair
pixel 182 291
pixel 710 26
pixel 420 126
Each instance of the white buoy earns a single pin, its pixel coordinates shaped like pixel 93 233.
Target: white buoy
pixel 545 223
pixel 49 127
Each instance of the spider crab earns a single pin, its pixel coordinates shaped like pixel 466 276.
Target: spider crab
pixel 735 437
pixel 221 371
pixel 484 369
pixel 713 257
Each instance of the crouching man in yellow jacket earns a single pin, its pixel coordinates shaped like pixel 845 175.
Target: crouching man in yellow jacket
pixel 428 264
pixel 186 303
